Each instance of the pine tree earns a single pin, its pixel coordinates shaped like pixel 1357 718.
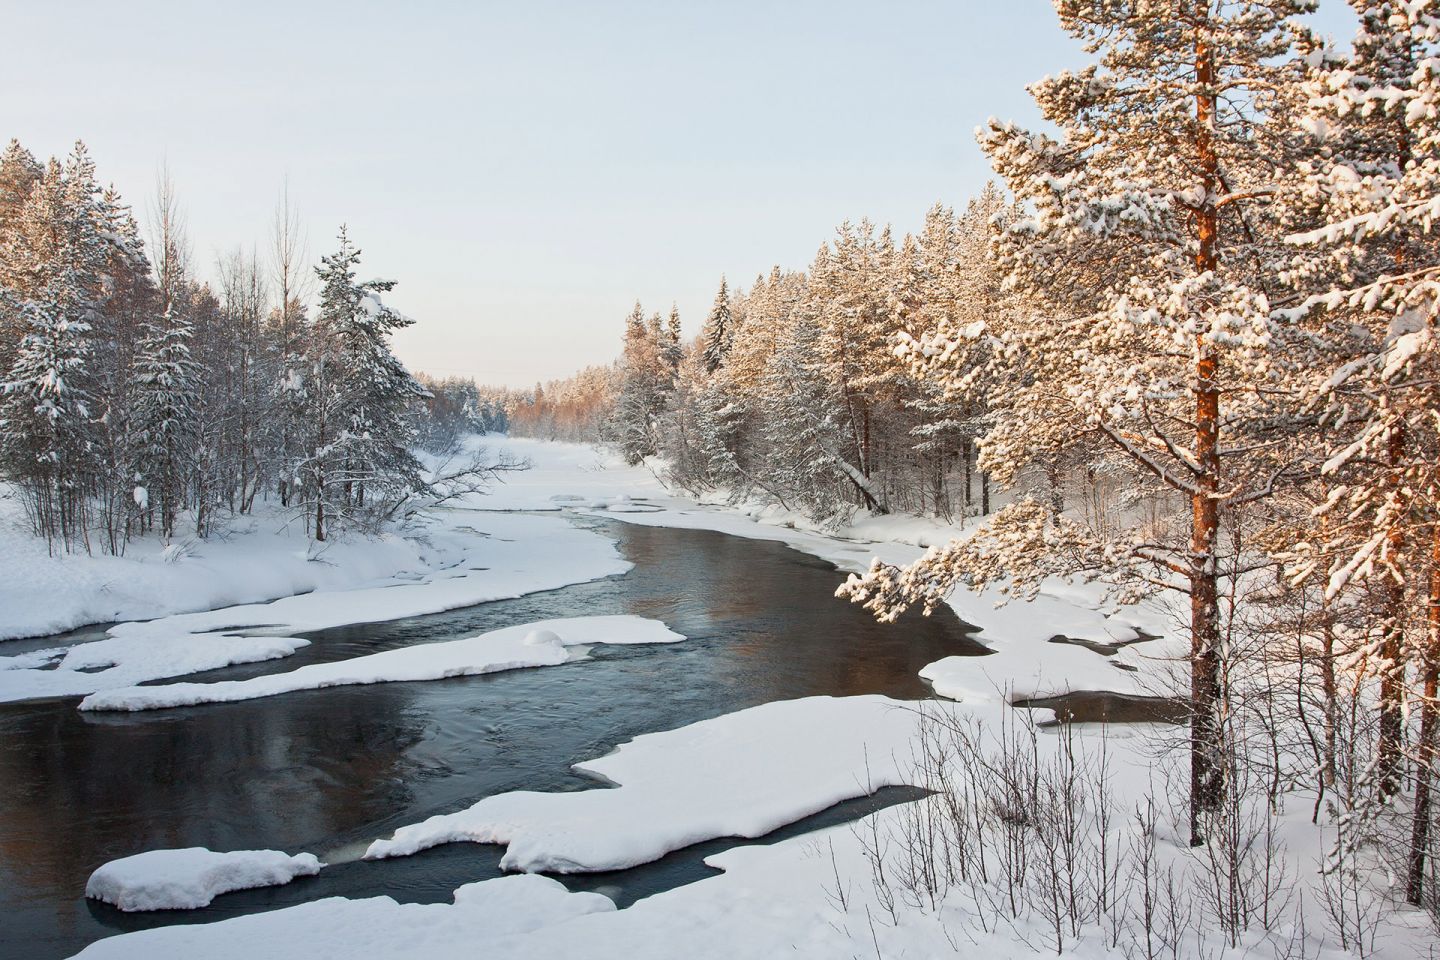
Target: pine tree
pixel 671 346
pixel 18 174
pixel 717 333
pixel 645 383
pixel 358 464
pixel 849 293
pixel 54 258
pixel 165 385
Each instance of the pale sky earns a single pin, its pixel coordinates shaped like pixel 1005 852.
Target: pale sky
pixel 526 170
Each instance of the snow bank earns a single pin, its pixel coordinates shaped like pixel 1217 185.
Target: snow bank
pixel 190 878
pixel 740 775
pixel 125 661
pixel 506 556
pixel 529 645
pixel 509 556
pixel 257 558
pixel 486 917
pixel 1034 668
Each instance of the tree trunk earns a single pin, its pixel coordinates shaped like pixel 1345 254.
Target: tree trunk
pixel 1206 752
pixel 1390 747
pixel 1207 756
pixel 969 494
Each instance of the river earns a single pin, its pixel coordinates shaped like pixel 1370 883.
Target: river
pixel 327 771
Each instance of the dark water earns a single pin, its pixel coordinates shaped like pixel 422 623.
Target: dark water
pixel 327 771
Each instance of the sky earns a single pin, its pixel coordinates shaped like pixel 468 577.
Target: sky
pixel 527 170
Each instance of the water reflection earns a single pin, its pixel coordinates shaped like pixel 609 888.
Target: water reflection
pixel 323 770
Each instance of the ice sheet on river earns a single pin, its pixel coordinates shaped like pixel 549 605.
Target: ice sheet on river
pixel 190 878
pixel 513 555
pixel 740 775
pixel 539 644
pixel 485 917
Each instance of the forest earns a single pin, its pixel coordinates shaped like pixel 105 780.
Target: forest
pixel 138 398
pixel 1186 345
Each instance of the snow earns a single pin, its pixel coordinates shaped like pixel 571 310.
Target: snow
pixel 487 918
pixel 123 661
pixel 490 556
pixel 190 878
pixel 739 775
pixel 537 644
pixel 253 559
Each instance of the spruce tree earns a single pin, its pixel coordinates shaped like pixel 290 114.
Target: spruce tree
pixel 358 463
pixel 164 417
pixel 717 333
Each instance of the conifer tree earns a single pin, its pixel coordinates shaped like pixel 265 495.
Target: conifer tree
pixel 717 334
pixel 165 386
pixel 358 463
pixel 53 260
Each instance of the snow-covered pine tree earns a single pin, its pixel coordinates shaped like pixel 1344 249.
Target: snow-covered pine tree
pixel 1149 234
pixel 801 431
pixel 672 349
pixel 923 300
pixel 127 301
pixel 18 173
pixel 717 335
pixel 164 413
pixel 848 292
pixel 358 464
pixel 53 258
pixel 645 382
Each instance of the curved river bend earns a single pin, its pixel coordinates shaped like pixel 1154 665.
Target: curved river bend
pixel 327 771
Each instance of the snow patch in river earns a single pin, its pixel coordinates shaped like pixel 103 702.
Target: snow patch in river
pixel 744 774
pixel 539 644
pixel 190 878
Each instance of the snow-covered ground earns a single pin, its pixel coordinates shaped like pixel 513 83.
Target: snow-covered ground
pixel 490 556
pixel 190 878
pixel 539 644
pixel 485 917
pixel 256 558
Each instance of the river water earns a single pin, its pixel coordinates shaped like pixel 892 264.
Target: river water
pixel 327 771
